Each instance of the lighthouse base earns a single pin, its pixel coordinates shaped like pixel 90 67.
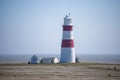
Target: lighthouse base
pixel 67 55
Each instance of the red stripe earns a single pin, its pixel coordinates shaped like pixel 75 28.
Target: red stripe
pixel 67 28
pixel 67 43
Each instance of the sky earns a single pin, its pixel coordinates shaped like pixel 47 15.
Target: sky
pixel 35 26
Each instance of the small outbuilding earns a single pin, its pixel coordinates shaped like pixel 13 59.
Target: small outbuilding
pixel 34 59
pixel 77 60
pixel 49 60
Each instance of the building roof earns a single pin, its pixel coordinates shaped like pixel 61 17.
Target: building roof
pixel 48 58
pixel 34 57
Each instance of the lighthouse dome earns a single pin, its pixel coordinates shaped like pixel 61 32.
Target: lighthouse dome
pixel 68 20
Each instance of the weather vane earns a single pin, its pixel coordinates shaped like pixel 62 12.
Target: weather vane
pixel 69 14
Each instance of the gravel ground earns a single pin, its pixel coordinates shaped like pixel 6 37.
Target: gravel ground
pixel 80 71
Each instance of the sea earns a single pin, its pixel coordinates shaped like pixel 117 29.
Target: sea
pixel 96 58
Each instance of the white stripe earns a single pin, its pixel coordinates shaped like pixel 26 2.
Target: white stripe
pixel 67 55
pixel 67 35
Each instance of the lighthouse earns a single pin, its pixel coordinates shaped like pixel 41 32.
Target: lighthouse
pixel 67 45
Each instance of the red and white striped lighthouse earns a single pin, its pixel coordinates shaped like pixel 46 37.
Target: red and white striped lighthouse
pixel 67 46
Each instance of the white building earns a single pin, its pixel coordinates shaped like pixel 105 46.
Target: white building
pixel 34 59
pixel 49 60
